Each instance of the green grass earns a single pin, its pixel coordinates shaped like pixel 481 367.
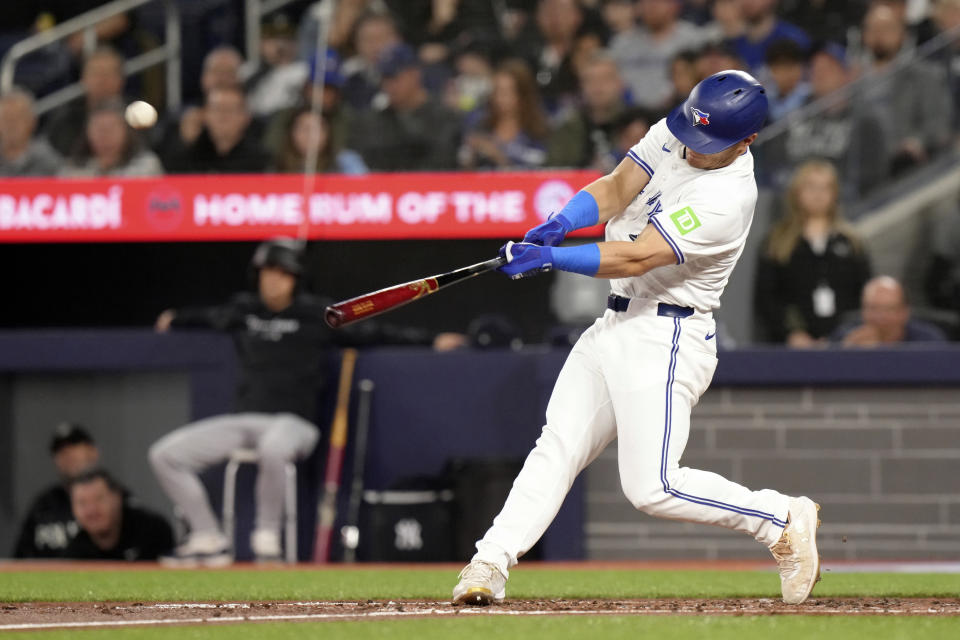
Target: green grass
pixel 432 583
pixel 605 628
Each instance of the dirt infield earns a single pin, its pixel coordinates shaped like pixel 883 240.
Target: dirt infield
pixel 90 614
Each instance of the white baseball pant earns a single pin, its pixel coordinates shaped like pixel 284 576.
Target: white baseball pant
pixel 178 458
pixel 634 375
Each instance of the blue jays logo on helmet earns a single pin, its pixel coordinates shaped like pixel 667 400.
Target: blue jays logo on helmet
pixel 730 106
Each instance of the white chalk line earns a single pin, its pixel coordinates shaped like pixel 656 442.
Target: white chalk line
pixel 36 626
pixel 450 611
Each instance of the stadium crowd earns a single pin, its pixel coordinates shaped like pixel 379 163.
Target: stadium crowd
pixel 447 84
pixel 868 87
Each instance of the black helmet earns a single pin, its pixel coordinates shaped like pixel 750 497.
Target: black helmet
pixel 281 253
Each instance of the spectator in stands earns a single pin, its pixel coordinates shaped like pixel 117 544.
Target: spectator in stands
pixel 376 33
pixel 644 54
pixel 49 525
pixel 347 16
pixel 439 23
pixel 111 528
pixel 845 132
pixel 512 132
pixel 278 81
pixel 20 153
pixel 224 145
pixel 763 28
pixel 586 139
pixel 683 76
pixel 790 88
pixel 414 132
pixel 558 23
pixel 309 133
pixel 715 58
pixel 631 126
pixel 111 148
pixel 102 79
pixel 727 22
pixel 619 16
pixel 943 274
pixel 913 103
pixel 946 17
pixel 885 319
pixel 915 14
pixel 470 87
pixel 221 69
pixel 813 265
pixel 588 43
pixel 327 92
pixel 41 70
pixel 824 20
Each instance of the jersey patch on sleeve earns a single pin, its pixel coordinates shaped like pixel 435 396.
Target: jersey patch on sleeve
pixel 685 220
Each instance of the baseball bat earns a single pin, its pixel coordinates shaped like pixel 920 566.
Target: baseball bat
pixel 351 530
pixel 346 312
pixel 327 508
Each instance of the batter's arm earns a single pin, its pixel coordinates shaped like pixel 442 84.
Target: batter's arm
pixel 600 260
pixel 614 191
pixel 628 259
pixel 596 203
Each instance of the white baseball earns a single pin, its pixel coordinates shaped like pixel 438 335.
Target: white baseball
pixel 140 115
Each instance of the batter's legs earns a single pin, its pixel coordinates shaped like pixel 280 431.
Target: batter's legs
pixel 653 422
pixel 579 426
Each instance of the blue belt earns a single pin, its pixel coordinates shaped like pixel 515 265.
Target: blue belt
pixel 619 303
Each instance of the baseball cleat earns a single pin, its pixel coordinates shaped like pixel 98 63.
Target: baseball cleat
pixel 200 550
pixel 481 583
pixel 796 551
pixel 265 544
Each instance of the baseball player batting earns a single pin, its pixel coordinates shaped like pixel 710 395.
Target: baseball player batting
pixel 677 211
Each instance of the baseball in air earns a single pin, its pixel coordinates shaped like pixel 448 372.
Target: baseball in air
pixel 141 115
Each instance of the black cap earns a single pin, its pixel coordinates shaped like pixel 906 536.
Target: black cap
pixel 68 433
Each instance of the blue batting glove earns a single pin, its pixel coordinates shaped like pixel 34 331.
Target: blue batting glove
pixel 550 233
pixel 524 259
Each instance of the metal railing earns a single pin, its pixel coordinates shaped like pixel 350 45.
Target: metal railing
pixel 168 53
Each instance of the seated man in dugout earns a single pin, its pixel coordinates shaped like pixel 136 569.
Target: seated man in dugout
pixel 109 527
pixel 49 526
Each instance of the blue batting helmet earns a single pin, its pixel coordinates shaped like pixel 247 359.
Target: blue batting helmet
pixel 722 110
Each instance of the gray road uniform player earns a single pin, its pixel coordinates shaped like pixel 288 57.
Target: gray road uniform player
pixel 281 340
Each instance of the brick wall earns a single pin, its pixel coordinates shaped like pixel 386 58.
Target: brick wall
pixel 884 463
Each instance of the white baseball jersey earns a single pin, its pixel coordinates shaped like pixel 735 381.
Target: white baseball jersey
pixel 704 215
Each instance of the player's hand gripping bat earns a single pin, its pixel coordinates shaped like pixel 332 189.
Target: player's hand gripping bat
pixel 346 312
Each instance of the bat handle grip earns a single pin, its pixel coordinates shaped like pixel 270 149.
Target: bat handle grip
pixel 493 263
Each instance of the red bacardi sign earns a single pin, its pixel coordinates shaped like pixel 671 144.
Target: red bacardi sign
pixel 251 207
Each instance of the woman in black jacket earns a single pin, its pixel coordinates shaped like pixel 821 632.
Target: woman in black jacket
pixel 813 265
